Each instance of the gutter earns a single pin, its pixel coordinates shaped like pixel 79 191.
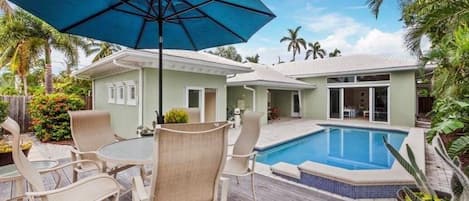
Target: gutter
pixel 140 88
pixel 253 96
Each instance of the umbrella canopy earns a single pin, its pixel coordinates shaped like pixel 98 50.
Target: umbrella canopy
pixel 147 24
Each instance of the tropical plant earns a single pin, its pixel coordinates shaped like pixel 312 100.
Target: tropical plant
pixel 460 186
pixel 315 50
pixel 294 41
pixel 5 7
pixel 253 59
pixel 50 120
pixel 26 27
pixel 3 110
pixel 176 115
pixel 101 49
pixel 71 85
pixel 335 53
pixel 228 52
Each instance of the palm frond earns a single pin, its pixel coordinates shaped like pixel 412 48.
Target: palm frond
pixel 374 5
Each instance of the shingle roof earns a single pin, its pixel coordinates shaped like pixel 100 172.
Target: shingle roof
pixel 345 65
pixel 266 76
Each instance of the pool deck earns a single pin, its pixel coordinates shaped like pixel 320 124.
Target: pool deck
pixel 269 186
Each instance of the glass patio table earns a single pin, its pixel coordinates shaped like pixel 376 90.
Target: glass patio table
pixel 135 151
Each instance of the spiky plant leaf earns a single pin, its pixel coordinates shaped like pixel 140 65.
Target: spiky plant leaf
pixel 410 194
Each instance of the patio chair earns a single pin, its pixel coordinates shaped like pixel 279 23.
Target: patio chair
pixel 91 129
pixel 190 160
pixel 243 149
pixel 98 187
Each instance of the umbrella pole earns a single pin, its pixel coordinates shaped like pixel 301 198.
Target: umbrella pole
pixel 160 118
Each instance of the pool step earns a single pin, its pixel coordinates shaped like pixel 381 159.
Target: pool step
pixel 285 169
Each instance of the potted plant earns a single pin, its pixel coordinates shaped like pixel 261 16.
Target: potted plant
pixel 5 145
pixel 176 115
pixel 424 192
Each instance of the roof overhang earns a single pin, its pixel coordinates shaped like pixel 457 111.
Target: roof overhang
pixel 362 71
pixel 273 84
pixel 129 59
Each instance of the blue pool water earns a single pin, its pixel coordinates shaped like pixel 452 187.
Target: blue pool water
pixel 343 147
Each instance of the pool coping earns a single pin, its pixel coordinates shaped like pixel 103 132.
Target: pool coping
pixel 396 175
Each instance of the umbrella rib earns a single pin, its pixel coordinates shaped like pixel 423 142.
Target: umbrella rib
pixel 139 9
pixel 246 8
pixel 192 7
pixel 185 30
pixel 91 16
pixel 132 13
pixel 168 4
pixel 217 22
pixel 141 28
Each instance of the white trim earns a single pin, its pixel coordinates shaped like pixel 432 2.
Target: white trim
pixel 292 112
pixel 129 84
pixel 111 93
pixel 370 104
pixel 253 97
pixel 140 94
pixel 364 71
pixel 341 106
pixel 388 104
pixel 93 95
pixel 201 100
pixel 120 98
pixel 341 103
pixel 300 99
pixel 357 85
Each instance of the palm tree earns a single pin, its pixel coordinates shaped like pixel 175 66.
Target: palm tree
pixel 253 59
pixel 101 49
pixel 315 50
pixel 295 42
pixel 335 53
pixel 25 26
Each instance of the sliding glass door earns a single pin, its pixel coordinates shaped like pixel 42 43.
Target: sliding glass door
pixel 335 103
pixel 379 104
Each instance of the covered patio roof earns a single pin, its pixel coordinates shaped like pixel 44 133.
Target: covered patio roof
pixel 177 60
pixel 269 77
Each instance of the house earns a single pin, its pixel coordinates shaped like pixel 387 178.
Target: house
pixel 264 89
pixel 357 87
pixel 125 84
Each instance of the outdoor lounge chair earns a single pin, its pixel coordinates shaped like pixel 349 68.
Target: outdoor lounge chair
pixel 98 187
pixel 243 149
pixel 91 129
pixel 189 159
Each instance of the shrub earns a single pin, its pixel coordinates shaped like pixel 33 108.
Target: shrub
pixel 3 110
pixel 50 120
pixel 176 116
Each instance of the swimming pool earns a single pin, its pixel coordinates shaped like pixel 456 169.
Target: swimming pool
pixel 344 147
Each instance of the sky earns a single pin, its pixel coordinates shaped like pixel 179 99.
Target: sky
pixel 347 25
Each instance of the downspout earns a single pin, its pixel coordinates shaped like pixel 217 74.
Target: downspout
pixel 253 97
pixel 140 88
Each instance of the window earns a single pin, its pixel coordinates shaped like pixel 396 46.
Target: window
pixel 131 92
pixel 111 93
pixel 120 93
pixel 371 78
pixel 341 79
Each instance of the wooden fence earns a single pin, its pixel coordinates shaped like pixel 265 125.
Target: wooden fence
pixel 19 109
pixel 425 105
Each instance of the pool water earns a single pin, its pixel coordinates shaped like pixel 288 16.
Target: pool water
pixel 343 147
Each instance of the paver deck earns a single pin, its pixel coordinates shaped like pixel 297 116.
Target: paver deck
pixel 269 187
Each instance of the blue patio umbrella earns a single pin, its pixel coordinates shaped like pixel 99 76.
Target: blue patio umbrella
pixel 148 24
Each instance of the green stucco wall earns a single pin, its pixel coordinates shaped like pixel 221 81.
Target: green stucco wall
pixel 174 91
pixel 261 102
pixel 236 93
pixel 403 98
pixel 282 100
pixel 124 118
pixel 314 101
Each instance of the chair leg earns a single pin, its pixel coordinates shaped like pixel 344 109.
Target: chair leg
pixel 224 188
pixel 75 176
pixel 253 187
pixel 237 180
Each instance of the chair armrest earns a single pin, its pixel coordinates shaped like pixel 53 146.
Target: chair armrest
pixel 118 138
pixel 243 156
pixel 72 186
pixel 75 151
pixel 70 164
pixel 138 189
pixel 230 145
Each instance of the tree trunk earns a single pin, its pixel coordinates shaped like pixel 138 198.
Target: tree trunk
pixel 17 83
pixel 49 88
pixel 294 54
pixel 25 85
